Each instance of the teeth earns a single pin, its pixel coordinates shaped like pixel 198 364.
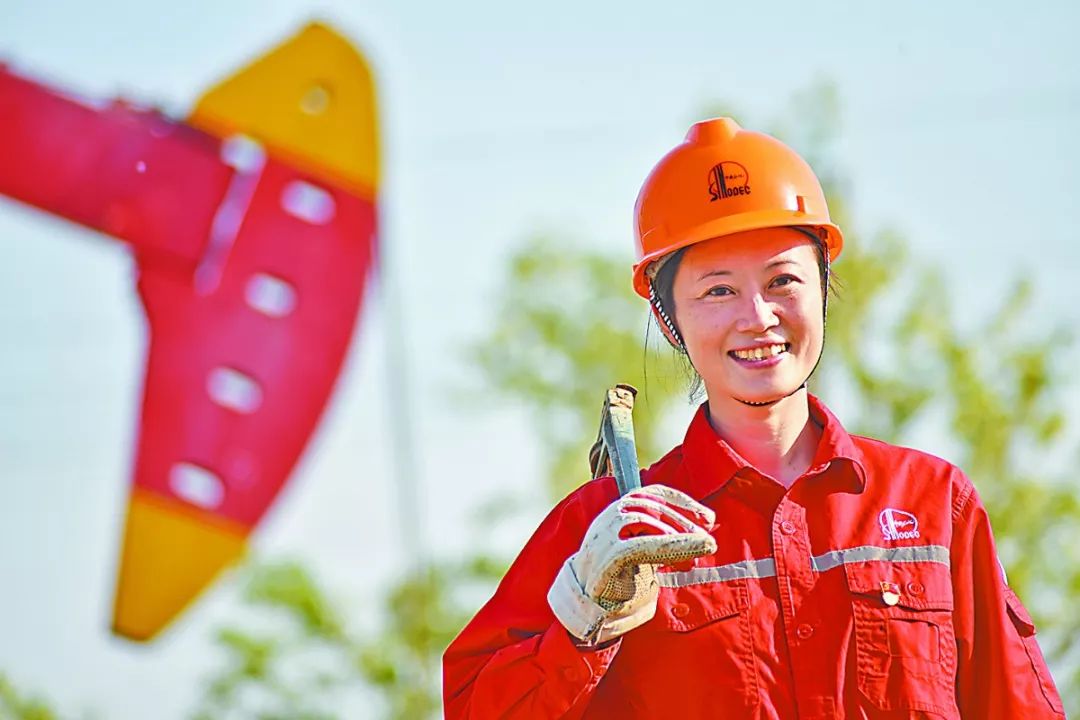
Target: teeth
pixel 760 353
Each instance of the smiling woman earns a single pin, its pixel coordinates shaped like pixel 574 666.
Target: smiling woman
pixel 772 565
pixel 790 281
pixel 747 304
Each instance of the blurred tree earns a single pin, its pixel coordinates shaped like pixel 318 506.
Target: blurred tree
pixel 301 660
pixel 17 706
pixel 901 357
pixel 568 326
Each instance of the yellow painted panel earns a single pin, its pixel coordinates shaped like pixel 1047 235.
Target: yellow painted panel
pixel 311 101
pixel 170 554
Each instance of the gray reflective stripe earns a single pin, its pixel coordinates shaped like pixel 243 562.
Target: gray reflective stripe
pixel 819 563
pixel 918 553
pixel 721 573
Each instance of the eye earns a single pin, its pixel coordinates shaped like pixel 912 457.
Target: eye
pixel 719 291
pixel 785 280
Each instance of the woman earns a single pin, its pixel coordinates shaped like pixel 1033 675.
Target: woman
pixel 772 565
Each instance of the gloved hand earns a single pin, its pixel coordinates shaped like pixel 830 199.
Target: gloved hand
pixel 609 586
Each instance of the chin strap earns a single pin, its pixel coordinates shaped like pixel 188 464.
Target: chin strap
pixel 766 403
pixel 672 333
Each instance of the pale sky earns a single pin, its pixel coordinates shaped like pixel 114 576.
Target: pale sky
pixel 499 119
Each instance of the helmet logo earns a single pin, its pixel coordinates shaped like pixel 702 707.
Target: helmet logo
pixel 726 179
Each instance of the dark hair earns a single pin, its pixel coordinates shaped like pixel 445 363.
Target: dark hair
pixel 664 285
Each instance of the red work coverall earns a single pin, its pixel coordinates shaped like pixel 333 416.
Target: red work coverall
pixel 870 589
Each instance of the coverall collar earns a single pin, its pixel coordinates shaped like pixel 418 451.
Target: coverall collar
pixel 712 462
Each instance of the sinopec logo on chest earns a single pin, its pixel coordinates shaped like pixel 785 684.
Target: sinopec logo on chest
pixel 727 179
pixel 898 525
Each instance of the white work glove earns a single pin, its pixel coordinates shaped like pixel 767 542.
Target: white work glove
pixel 609 586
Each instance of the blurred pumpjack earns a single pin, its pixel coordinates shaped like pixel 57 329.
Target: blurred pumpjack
pixel 253 225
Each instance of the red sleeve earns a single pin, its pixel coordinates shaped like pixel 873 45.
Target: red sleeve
pixel 514 659
pixel 1001 673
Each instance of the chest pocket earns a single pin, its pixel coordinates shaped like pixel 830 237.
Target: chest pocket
pixel 697 647
pixel 905 645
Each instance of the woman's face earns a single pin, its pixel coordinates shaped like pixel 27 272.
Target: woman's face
pixel 749 309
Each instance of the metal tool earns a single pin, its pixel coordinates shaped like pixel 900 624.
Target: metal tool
pixel 614 452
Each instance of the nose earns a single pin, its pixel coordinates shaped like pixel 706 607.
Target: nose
pixel 758 316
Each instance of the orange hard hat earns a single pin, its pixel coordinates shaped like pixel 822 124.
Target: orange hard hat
pixel 723 180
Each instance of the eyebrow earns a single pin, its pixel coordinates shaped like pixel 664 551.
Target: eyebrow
pixel 774 263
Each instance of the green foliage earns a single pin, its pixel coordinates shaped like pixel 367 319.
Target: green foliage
pixel 567 327
pixel 17 706
pixel 304 661
pixel 292 668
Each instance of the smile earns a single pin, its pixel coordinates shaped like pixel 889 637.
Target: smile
pixel 758 354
